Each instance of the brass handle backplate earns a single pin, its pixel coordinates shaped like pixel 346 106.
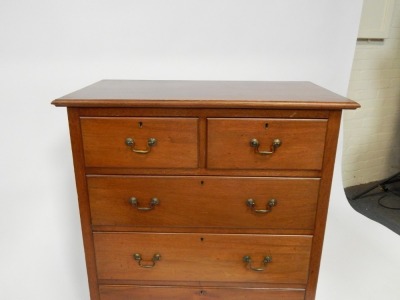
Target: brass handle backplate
pixel 252 204
pixel 130 142
pixel 256 145
pixel 153 202
pixel 247 259
pixel 138 258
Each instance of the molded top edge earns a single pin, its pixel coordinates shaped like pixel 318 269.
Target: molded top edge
pixel 206 94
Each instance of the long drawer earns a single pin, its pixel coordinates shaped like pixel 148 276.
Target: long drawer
pixel 129 292
pixel 203 201
pixel 202 257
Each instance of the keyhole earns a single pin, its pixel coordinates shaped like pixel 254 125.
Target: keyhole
pixel 266 125
pixel 202 182
pixel 201 239
pixel 140 124
pixel 203 293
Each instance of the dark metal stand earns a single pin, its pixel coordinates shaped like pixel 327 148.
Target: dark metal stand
pixel 381 185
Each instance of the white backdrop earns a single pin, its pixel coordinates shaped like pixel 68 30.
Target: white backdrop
pixel 49 48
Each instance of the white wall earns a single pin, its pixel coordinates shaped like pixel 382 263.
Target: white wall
pixel 49 48
pixel 372 135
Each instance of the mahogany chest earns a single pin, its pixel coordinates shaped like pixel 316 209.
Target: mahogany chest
pixel 203 189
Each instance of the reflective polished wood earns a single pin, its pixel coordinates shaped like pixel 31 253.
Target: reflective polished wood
pixel 231 220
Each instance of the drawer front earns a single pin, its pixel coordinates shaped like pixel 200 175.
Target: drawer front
pixel 126 142
pixel 202 257
pixel 299 143
pixel 274 203
pixel 115 292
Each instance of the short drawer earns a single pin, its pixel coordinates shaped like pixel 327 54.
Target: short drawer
pixel 202 257
pixel 140 142
pixel 203 201
pixel 129 292
pixel 256 143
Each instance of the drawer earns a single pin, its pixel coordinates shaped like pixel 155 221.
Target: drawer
pixel 129 142
pixel 115 292
pixel 277 203
pixel 202 257
pixel 232 143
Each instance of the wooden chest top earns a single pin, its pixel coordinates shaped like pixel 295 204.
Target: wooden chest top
pixel 206 94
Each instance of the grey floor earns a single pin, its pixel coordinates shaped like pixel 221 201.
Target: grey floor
pixel 377 203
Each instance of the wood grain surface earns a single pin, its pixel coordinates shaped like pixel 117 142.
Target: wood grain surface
pixel 203 257
pixel 203 201
pixel 129 292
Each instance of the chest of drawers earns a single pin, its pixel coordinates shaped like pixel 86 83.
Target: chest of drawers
pixel 203 189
